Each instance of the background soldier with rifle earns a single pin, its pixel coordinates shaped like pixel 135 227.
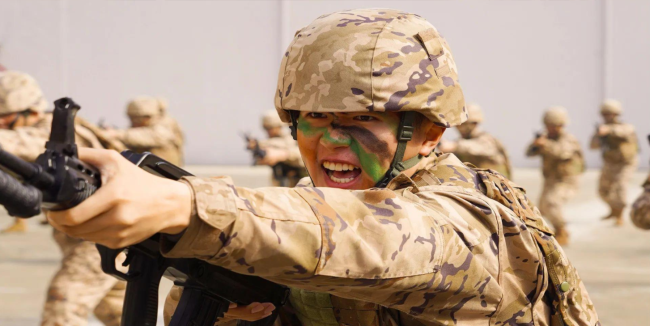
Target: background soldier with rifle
pixel 152 130
pixel 620 150
pixel 280 152
pixel 478 147
pixel 562 164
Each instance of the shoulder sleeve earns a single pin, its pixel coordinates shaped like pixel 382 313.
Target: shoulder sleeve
pixel 386 245
pixel 26 143
pixel 151 136
pixel 482 146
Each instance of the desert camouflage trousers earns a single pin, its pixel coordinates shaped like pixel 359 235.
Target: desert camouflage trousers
pixel 555 194
pixel 612 186
pixel 80 287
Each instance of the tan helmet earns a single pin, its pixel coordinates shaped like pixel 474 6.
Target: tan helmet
pixel 475 113
pixel 556 116
pixel 270 119
pixel 371 60
pixel 20 92
pixel 146 106
pixel 611 106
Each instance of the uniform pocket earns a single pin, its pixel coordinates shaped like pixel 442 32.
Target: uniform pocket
pixel 569 300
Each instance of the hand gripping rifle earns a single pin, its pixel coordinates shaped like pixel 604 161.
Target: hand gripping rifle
pixel 59 180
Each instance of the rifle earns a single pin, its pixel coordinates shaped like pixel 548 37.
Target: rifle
pixel 257 152
pixel 59 180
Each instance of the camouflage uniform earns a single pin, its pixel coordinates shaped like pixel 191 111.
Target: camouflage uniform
pixel 288 172
pixel 448 245
pixel 482 149
pixel 620 158
pixel 79 285
pixel 163 137
pixel 562 163
pixel 641 208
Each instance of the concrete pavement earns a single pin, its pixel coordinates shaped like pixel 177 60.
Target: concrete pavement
pixel 613 261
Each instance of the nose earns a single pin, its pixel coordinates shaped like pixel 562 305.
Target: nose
pixel 335 137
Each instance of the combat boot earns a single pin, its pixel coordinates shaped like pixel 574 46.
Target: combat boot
pixel 562 236
pixel 19 226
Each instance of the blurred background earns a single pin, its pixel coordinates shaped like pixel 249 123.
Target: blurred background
pixel 217 61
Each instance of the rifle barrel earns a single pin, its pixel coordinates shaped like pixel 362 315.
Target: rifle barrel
pixel 28 171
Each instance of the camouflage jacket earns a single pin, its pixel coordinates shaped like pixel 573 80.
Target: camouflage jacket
pixel 434 248
pixel 641 208
pixel 484 151
pixel 561 157
pixel 29 142
pixel 620 146
pixel 164 138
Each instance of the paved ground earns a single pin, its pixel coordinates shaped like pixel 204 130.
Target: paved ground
pixel 614 262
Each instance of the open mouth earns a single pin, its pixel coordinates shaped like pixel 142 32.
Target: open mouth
pixel 341 173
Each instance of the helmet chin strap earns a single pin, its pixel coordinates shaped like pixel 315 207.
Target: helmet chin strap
pixel 397 166
pixel 404 134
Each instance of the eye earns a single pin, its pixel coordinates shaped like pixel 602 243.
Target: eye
pixel 365 118
pixel 316 115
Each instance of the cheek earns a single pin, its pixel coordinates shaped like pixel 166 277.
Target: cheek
pixel 308 148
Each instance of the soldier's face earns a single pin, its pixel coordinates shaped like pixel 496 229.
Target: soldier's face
pixel 610 117
pixel 274 132
pixel 354 150
pixel 7 120
pixel 140 121
pixel 466 129
pixel 554 130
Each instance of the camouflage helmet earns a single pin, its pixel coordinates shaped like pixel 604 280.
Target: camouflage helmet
pixel 146 106
pixel 20 92
pixel 475 113
pixel 370 60
pixel 556 116
pixel 270 119
pixel 611 106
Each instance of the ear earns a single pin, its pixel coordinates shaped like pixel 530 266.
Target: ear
pixel 431 135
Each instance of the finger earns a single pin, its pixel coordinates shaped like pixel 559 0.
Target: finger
pixel 256 307
pixel 100 223
pixel 97 157
pixel 101 201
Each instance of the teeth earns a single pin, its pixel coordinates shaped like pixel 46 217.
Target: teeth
pixel 340 180
pixel 338 166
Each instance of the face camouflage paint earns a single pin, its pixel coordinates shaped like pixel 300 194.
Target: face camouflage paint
pixel 373 153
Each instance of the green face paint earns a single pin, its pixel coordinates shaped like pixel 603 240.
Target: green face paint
pixel 371 151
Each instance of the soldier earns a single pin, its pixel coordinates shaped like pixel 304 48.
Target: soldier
pixel 477 146
pixel 152 130
pixel 384 235
pixel 79 285
pixel 620 149
pixel 280 152
pixel 562 163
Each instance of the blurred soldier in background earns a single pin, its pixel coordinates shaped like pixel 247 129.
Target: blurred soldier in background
pixel 641 208
pixel 152 130
pixel 620 149
pixel 477 146
pixel 280 152
pixel 562 163
pixel 79 285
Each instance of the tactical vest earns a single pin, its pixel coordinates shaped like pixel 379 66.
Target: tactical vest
pixel 566 296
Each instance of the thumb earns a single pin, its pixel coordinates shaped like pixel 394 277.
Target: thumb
pixel 97 157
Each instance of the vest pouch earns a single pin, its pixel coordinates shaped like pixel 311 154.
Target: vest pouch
pixel 567 296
